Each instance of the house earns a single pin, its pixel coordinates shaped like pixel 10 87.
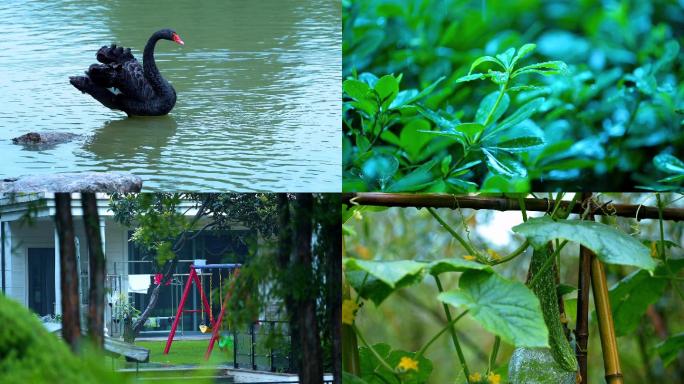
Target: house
pixel 30 272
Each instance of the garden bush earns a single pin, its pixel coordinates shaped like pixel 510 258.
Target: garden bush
pixel 30 354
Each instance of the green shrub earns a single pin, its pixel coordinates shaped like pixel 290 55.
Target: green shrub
pixel 30 354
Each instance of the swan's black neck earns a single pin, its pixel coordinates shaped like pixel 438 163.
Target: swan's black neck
pixel 152 74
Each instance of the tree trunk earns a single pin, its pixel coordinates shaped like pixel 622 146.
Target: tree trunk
pixel 311 357
pixel 284 255
pixel 97 270
pixel 332 233
pixel 71 323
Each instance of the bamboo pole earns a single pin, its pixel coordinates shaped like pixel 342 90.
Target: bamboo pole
pixel 435 200
pixel 611 359
pixel 582 324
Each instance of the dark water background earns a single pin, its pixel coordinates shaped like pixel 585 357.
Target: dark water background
pixel 258 86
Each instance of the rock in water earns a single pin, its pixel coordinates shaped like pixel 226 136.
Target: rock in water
pixel 45 138
pixel 108 182
pixel 537 366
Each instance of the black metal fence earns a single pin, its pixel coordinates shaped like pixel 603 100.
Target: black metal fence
pixel 264 346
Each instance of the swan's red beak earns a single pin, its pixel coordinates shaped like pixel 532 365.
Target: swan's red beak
pixel 177 39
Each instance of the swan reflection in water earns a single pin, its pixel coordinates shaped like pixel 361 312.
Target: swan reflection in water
pixel 135 141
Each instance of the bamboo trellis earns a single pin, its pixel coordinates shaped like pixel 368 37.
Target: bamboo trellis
pixel 591 269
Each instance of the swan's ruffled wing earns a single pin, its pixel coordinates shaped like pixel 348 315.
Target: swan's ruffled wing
pixel 120 70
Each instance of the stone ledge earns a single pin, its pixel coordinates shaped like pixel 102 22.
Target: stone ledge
pixel 107 182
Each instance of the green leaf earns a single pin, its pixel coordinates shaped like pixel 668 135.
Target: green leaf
pixel 456 265
pixel 610 245
pixel 630 298
pixel 485 59
pixel 632 295
pixel 518 116
pixel 669 349
pixel 419 95
pixel 520 144
pixel 387 88
pixel 504 307
pixel 471 130
pixel 418 179
pixel 384 277
pixel 442 122
pixel 503 164
pixel 348 378
pixel 445 165
pixel 506 57
pixel 668 163
pixel 474 76
pixel 412 140
pixel 487 105
pixel 545 68
pixel 355 89
pixel 522 52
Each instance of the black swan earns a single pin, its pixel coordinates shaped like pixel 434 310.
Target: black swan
pixel 120 82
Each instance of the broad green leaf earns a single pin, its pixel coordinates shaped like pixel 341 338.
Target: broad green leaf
pixel 348 378
pixel 471 130
pixel 518 116
pixel 412 140
pixel 630 298
pixel 387 88
pixel 668 163
pixel 442 122
pixel 672 179
pixel 632 295
pixel 610 245
pixel 403 98
pixel 416 180
pixel 487 105
pixel 506 57
pixel 522 52
pixel 485 59
pixel 503 164
pixel 671 51
pixel 474 76
pixel 456 264
pixel 461 186
pixel 383 277
pixel 445 165
pixel 420 95
pixel 452 134
pixel 355 89
pixel 520 144
pixel 504 307
pixel 545 68
pixel 670 348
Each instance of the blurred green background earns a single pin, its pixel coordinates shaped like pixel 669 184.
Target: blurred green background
pixel 411 316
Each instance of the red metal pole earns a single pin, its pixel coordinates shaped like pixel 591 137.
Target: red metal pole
pixel 179 313
pixel 205 302
pixel 217 326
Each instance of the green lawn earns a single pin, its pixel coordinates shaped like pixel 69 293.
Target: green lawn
pixel 185 352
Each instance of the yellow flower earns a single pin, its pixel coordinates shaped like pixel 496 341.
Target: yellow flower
pixel 654 249
pixel 407 363
pixel 475 377
pixel 469 257
pixel 349 308
pixel 494 378
pixel 493 254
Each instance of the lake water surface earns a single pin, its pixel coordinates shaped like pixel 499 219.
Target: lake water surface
pixel 258 86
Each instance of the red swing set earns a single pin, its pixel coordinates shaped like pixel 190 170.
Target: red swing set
pixel 214 325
